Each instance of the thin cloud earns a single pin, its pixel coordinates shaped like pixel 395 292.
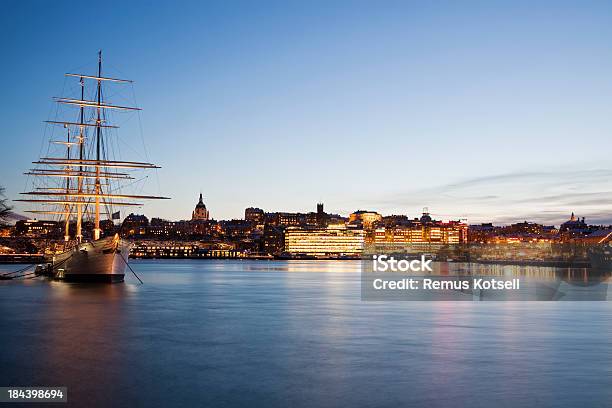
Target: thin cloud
pixel 543 196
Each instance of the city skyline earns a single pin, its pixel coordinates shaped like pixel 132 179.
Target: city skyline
pixel 424 210
pixel 475 111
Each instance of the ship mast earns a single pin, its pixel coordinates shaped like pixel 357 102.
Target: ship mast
pixel 67 226
pixel 98 123
pixel 84 169
pixel 79 233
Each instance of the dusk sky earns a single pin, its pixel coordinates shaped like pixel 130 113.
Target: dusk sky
pixel 497 111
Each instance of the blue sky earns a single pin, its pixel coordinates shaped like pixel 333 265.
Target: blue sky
pixel 485 110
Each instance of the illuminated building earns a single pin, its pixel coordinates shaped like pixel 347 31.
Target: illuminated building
pixel 36 228
pixel 160 228
pixel 5 231
pixel 423 230
pixel 237 228
pixel 519 232
pixel 335 240
pixel 365 218
pixel 399 235
pixel 574 227
pixel 134 224
pixel 142 250
pixel 287 219
pixel 273 240
pixel 601 236
pixel 202 227
pixel 6 250
pixel 254 215
pixel 169 251
pixel 442 233
pixel 481 233
pixel 200 213
pixel 108 227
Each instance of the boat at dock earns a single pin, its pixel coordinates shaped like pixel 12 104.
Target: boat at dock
pixel 80 181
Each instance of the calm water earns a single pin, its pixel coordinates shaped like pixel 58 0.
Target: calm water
pixel 295 333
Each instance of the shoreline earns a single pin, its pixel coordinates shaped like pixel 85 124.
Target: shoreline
pixel 39 258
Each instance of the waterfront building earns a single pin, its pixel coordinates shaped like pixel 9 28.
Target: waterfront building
pixel 156 250
pixel 183 250
pixel 402 235
pixel 519 232
pixel 443 233
pixel 334 240
pixel 423 230
pixel 37 228
pixel 273 240
pixel 200 213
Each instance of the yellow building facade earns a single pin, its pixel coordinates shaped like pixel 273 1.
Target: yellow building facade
pixel 333 240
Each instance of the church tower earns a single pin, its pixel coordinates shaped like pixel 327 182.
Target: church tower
pixel 200 213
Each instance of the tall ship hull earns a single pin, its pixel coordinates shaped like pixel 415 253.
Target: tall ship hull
pixel 101 261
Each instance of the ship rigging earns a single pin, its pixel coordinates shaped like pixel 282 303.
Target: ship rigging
pixel 84 181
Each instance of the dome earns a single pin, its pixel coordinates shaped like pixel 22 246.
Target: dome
pixel 200 203
pixel 200 213
pixel 425 218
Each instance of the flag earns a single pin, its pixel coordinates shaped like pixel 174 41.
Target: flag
pixel 116 215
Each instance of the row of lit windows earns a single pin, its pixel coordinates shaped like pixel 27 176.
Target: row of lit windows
pixel 324 241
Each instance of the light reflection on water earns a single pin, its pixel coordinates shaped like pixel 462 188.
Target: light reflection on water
pixel 295 333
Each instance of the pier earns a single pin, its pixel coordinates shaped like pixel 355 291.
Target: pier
pixel 21 258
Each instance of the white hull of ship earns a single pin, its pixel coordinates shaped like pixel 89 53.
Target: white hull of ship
pixel 102 261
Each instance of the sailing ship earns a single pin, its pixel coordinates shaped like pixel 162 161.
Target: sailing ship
pixel 85 182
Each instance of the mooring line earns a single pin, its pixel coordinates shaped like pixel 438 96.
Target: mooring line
pixel 8 274
pixel 128 265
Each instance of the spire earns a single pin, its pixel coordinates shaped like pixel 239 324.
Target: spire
pixel 200 213
pixel 573 217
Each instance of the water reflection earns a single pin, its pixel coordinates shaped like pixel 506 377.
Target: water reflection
pixel 241 333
